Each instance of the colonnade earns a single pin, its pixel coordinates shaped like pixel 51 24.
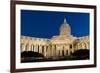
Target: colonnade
pixel 50 50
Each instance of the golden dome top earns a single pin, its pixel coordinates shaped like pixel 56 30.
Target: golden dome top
pixel 65 28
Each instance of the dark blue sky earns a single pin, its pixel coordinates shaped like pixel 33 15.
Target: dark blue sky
pixel 45 24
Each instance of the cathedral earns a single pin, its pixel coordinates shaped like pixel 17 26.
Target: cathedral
pixel 58 46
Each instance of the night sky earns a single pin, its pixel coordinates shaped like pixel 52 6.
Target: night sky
pixel 45 24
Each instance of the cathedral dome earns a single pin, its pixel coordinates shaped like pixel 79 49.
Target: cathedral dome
pixel 65 28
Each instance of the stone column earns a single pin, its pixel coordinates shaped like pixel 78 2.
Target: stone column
pixel 73 49
pixel 35 48
pixel 27 47
pixel 61 50
pixel 57 52
pixel 52 50
pixel 45 50
pixel 64 48
pixel 32 47
pixel 49 51
pixel 87 44
pixel 22 48
pixel 40 49
pixel 68 51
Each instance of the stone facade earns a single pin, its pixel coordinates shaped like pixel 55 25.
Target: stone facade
pixel 57 46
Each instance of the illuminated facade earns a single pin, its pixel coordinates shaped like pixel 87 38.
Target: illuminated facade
pixel 57 46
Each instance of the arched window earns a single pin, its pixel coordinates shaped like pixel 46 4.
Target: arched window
pixel 27 47
pixel 79 45
pixel 84 46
